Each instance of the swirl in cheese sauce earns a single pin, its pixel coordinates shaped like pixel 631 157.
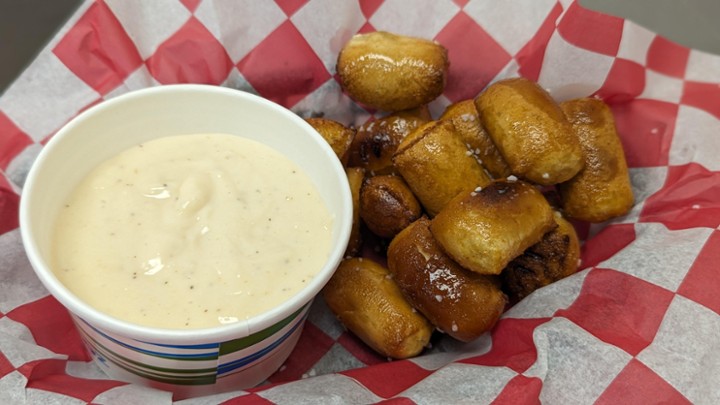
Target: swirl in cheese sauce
pixel 191 231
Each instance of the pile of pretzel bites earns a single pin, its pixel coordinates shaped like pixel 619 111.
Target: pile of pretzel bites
pixel 474 205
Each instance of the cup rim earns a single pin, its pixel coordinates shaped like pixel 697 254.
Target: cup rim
pixel 239 329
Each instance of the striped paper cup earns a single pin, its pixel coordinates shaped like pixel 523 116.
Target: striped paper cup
pixel 198 368
pixel 188 362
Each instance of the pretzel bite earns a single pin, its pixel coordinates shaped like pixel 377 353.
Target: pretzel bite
pixel 336 134
pixel 364 297
pixel 437 166
pixel 461 303
pixel 555 257
pixel 392 72
pixel 530 131
pixel 601 190
pixel 355 177
pixel 485 229
pixel 376 141
pixel 387 205
pixel 467 122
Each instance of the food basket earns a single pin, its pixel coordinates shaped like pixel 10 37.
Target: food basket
pixel 639 322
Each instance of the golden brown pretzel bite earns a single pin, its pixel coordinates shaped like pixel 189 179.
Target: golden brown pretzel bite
pixel 555 257
pixel 461 303
pixel 392 72
pixel 376 141
pixel 336 134
pixel 364 297
pixel 467 122
pixel 485 229
pixel 355 177
pixel 602 189
pixel 387 205
pixel 437 166
pixel 530 131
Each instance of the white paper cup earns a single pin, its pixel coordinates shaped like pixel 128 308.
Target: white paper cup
pixel 197 361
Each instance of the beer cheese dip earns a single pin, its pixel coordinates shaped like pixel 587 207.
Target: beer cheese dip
pixel 191 231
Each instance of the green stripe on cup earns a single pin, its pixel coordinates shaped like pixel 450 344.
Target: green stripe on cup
pixel 194 379
pixel 174 376
pixel 232 346
pixel 185 377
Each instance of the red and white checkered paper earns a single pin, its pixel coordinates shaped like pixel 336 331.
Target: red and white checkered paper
pixel 639 324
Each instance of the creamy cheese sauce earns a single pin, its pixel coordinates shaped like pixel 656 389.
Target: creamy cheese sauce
pixel 191 231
